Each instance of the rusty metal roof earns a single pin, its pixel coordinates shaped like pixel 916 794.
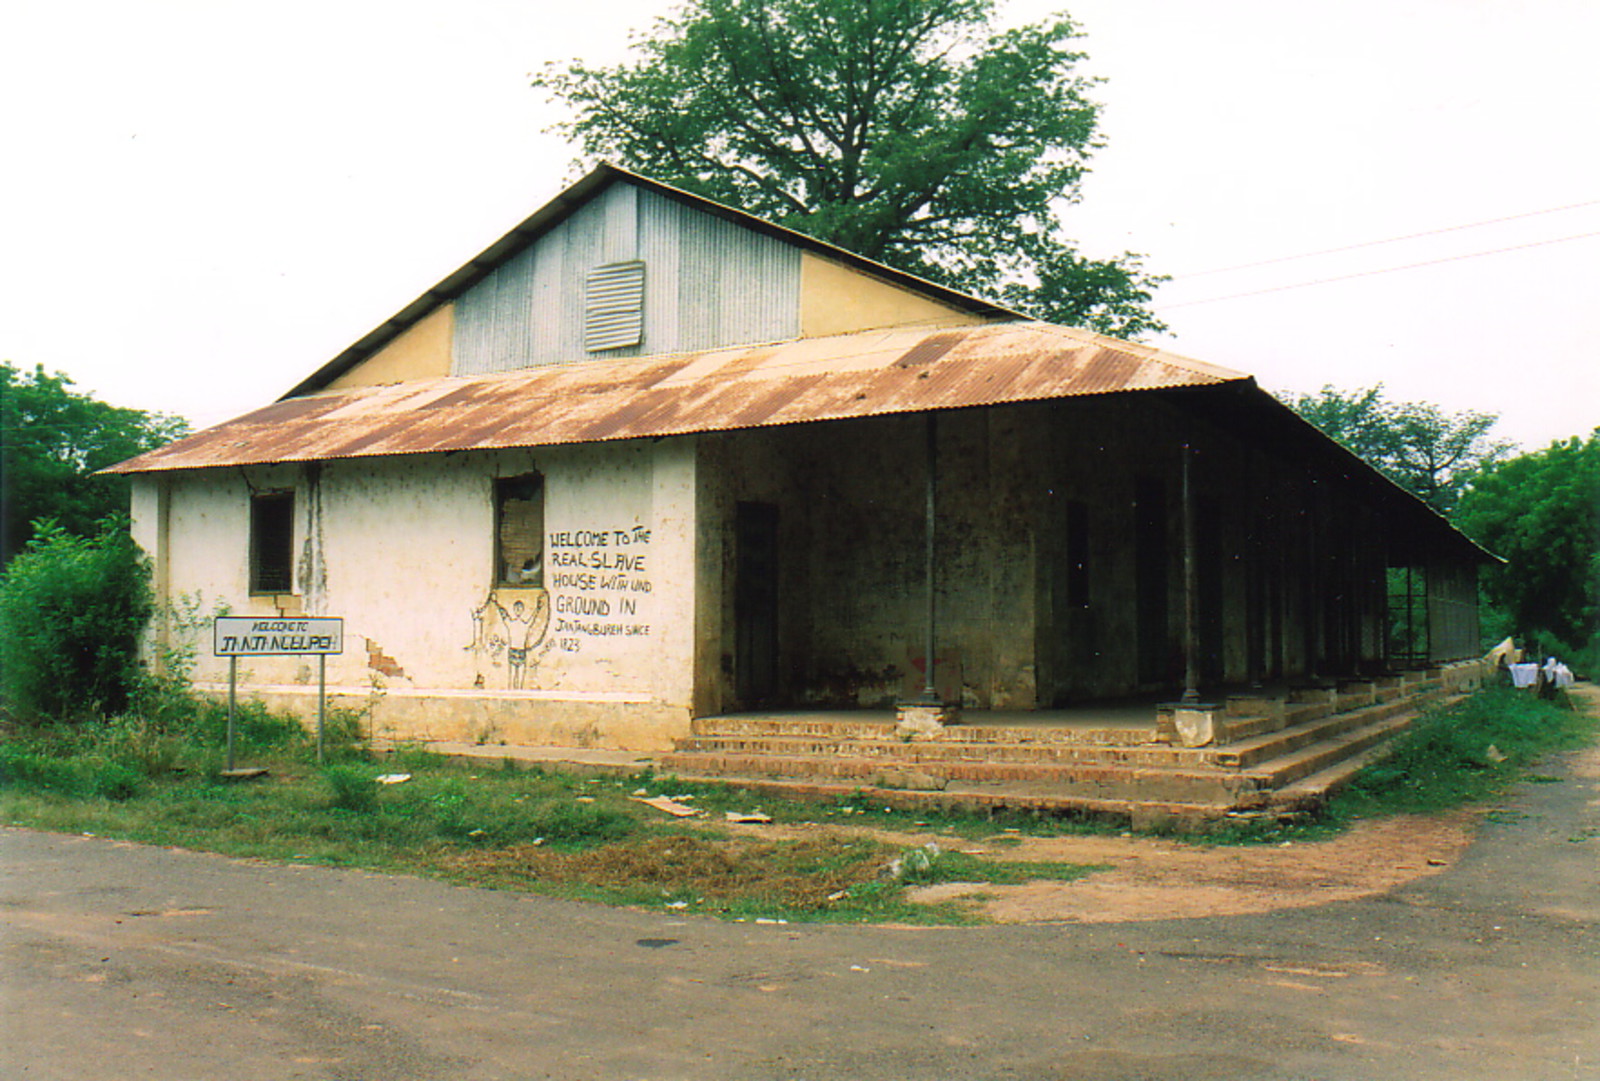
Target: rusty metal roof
pixel 864 374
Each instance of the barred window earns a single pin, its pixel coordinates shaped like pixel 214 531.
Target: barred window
pixel 272 542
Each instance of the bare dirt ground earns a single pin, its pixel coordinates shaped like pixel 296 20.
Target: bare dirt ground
pixel 1158 879
pixel 1154 879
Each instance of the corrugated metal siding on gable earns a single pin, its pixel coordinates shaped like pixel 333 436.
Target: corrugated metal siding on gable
pixel 709 283
pixel 732 287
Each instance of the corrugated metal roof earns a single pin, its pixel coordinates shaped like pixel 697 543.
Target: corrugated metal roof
pixel 865 374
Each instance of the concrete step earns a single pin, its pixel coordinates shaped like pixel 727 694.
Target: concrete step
pixel 1283 764
pixel 1247 753
pixel 980 734
pixel 929 752
pixel 1288 769
pixel 1091 779
pixel 970 795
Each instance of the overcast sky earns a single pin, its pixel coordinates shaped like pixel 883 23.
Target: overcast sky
pixel 205 200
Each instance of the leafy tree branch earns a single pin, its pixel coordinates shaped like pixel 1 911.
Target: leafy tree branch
pixel 912 132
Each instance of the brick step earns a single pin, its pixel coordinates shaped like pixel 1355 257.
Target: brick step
pixel 1274 765
pixel 1307 705
pixel 1232 728
pixel 1289 715
pixel 1258 749
pixel 1311 792
pixel 1100 780
pixel 922 752
pixel 967 796
pixel 1283 771
pixel 816 727
pixel 983 734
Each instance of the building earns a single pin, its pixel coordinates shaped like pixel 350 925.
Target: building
pixel 648 459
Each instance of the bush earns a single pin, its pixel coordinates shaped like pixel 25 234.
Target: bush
pixel 71 613
pixel 354 788
pixel 255 727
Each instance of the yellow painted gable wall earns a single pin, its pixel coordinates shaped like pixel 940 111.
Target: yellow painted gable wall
pixel 420 352
pixel 837 300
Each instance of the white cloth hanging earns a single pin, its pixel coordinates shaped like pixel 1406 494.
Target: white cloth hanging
pixel 1523 675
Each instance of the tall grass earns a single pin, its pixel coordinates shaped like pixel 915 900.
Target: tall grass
pixel 1464 753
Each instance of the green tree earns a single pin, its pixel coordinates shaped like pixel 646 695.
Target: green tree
pixel 909 131
pixel 1428 452
pixel 1541 512
pixel 52 439
pixel 72 609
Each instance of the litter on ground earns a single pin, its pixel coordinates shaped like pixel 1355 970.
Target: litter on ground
pixel 746 816
pixel 662 803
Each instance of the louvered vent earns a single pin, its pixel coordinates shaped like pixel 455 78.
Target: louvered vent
pixel 613 306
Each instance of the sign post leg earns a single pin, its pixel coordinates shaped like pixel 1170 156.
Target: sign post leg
pixel 233 683
pixel 322 699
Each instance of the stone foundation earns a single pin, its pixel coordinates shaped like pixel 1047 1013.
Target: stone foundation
pixel 530 719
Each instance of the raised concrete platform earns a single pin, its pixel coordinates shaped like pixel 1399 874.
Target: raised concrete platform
pixel 1274 752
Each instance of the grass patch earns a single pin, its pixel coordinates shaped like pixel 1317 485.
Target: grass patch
pixel 491 823
pixel 861 809
pixel 929 866
pixel 1464 753
pixel 482 823
pixel 1468 752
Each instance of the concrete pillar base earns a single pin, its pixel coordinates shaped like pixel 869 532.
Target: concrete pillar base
pixel 924 718
pixel 1186 725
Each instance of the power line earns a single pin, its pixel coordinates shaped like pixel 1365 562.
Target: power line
pixel 1370 273
pixel 1387 240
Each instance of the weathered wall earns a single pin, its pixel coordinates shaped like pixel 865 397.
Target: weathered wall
pixel 403 550
pixel 850 508
pixel 1453 611
pixel 1288 564
pixel 420 352
pixel 834 299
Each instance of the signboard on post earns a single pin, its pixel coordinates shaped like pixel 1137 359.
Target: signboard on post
pixel 254 636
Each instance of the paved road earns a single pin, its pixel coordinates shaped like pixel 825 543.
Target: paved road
pixel 121 961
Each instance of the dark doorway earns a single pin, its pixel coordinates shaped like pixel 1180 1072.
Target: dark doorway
pixel 755 604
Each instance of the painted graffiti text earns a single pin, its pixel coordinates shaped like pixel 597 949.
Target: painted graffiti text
pixel 600 538
pixel 586 562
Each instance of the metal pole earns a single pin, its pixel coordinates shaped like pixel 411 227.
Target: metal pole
pixel 233 682
pixel 322 699
pixel 1191 678
pixel 930 692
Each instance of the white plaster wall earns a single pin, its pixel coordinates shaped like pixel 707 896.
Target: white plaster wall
pixel 402 549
